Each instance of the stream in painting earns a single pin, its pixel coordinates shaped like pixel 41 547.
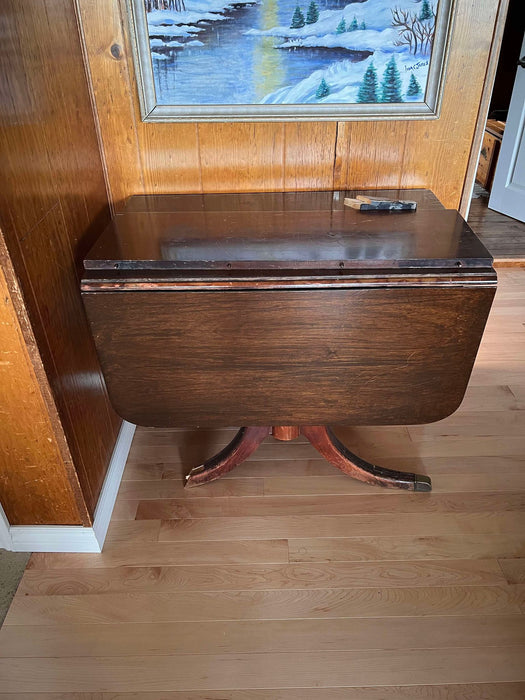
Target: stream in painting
pixel 234 68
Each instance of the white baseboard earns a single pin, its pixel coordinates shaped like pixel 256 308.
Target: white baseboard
pixel 110 487
pixel 53 538
pixel 74 538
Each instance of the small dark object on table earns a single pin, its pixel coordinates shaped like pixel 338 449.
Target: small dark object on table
pixel 364 203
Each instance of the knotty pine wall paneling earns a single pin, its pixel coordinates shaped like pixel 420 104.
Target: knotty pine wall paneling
pixel 209 157
pixel 53 204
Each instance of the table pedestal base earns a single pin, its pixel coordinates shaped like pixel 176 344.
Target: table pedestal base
pixel 248 440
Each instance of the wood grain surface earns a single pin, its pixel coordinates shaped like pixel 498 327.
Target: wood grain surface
pixel 37 480
pixel 315 594
pixel 503 236
pixel 270 231
pixel 452 691
pixel 288 358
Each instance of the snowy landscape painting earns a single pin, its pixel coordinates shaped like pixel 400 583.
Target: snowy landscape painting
pixel 265 58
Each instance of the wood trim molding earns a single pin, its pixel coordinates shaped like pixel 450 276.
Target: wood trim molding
pixel 72 538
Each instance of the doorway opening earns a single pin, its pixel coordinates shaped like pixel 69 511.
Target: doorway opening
pixel 503 235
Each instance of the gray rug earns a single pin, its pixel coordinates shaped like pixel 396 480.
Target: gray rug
pixel 12 566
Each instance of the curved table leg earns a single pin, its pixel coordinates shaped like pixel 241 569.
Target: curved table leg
pixel 240 448
pixel 337 454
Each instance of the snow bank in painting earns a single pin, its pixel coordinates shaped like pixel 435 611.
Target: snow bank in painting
pixel 366 40
pixel 359 27
pixel 344 79
pixel 183 23
pixel 375 14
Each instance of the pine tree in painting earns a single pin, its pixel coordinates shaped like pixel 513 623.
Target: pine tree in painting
pixel 391 85
pixel 362 25
pixel 368 89
pixel 323 90
pixel 426 12
pixel 341 27
pixel 414 88
pixel 313 13
pixel 353 25
pixel 297 19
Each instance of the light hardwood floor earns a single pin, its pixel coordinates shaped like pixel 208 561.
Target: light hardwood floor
pixel 289 581
pixel 503 236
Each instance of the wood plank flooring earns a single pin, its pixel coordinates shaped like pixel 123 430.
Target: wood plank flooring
pixel 289 581
pixel 502 235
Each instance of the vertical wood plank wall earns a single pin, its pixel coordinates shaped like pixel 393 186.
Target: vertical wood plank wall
pixel 53 202
pixel 214 157
pixel 37 478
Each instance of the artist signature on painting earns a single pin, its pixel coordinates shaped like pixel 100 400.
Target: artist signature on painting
pixel 417 65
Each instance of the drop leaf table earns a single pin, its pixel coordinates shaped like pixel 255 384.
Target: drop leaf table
pixel 287 313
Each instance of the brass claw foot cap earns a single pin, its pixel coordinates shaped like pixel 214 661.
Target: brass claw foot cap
pixel 422 483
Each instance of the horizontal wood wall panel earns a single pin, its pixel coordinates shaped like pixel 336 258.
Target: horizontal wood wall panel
pixel 162 158
pixel 53 204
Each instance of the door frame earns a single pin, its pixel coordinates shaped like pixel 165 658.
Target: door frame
pixel 479 130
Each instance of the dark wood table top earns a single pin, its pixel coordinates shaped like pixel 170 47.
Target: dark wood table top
pixel 311 232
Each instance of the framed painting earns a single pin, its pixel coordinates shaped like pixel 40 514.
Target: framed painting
pixel 289 60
